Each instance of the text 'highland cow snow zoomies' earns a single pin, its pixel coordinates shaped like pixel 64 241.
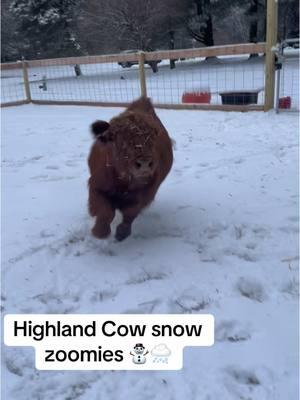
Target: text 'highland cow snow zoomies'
pixel 129 159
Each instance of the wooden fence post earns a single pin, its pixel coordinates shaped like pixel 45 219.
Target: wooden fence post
pixel 26 81
pixel 142 74
pixel 272 24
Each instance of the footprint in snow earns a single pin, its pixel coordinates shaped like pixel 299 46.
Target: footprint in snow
pixel 3 298
pixel 252 289
pixel 289 229
pixel 52 303
pixel 16 361
pixel 146 276
pixel 55 167
pixel 191 300
pixel 46 234
pixel 246 256
pixel 244 377
pixel 35 158
pixel 260 232
pixel 146 307
pixel 291 287
pixel 214 230
pixel 103 295
pixel 250 383
pixel 183 207
pixel 231 331
pixel 251 246
pixel 39 177
pixel 294 218
pixel 71 163
pixel 239 161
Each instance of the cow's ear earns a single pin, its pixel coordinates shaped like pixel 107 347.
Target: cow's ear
pixel 99 130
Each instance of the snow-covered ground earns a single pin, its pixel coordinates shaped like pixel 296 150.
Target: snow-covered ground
pixel 112 83
pixel 220 238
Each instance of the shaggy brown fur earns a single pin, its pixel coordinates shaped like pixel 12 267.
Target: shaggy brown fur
pixel 129 159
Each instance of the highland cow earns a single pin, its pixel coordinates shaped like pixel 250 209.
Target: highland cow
pixel 131 156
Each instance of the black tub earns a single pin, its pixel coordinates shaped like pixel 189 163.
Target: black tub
pixel 239 98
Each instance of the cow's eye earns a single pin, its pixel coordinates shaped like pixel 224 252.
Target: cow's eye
pixel 138 164
pixel 151 164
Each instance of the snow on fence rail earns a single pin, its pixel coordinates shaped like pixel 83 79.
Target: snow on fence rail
pixel 224 74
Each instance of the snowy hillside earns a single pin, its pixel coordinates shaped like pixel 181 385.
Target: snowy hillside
pixel 221 238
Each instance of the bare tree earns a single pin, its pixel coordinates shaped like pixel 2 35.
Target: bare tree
pixel 200 21
pixel 93 35
pixel 236 25
pixel 172 26
pixel 288 19
pixel 132 24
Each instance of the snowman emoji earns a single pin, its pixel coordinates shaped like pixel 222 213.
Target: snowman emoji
pixel 138 357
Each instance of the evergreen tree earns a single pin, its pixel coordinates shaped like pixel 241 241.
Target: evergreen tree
pixel 56 28
pixel 45 27
pixel 9 42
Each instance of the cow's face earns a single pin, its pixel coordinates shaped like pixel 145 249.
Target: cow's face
pixel 141 163
pixel 134 162
pixel 135 155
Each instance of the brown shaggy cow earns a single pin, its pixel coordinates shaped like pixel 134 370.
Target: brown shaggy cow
pixel 131 156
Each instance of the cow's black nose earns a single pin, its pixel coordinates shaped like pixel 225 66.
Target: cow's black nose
pixel 143 164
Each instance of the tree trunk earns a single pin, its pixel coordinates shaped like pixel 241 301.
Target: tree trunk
pixel 209 36
pixel 171 47
pixel 253 30
pixel 77 70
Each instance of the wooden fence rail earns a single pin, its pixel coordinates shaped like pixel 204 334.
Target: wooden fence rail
pixel 141 58
pixel 215 51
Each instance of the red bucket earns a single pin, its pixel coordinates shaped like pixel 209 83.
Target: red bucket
pixel 196 97
pixel 285 102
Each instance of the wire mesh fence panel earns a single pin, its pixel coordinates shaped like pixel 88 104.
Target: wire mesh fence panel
pixel 215 76
pixel 223 80
pixel 12 84
pixel 289 82
pixel 94 82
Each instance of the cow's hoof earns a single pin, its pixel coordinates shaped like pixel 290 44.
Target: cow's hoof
pixel 101 232
pixel 123 231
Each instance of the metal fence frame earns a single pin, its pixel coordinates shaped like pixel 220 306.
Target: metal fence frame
pixel 280 62
pixel 143 57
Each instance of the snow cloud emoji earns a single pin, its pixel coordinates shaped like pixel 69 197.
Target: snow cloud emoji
pixel 160 353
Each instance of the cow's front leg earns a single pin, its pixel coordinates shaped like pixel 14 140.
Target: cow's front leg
pixel 129 215
pixel 101 208
pixel 101 229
